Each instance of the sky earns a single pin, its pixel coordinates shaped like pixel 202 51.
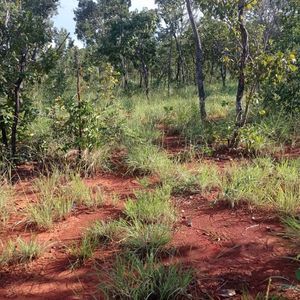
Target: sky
pixel 65 13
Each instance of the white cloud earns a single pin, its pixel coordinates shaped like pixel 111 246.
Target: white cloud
pixel 140 4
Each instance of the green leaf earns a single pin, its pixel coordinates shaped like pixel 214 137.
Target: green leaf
pixel 298 274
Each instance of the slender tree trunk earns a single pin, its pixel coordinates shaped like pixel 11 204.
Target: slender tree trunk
pixel 240 119
pixel 170 66
pixel 223 70
pixel 199 62
pixel 3 132
pixel 145 74
pixel 16 99
pixel 243 62
pixel 125 73
pixel 78 90
pixel 181 61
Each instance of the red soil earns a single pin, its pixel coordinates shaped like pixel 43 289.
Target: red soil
pixel 233 249
pixel 229 249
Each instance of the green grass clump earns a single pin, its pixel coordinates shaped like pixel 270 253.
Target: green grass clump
pixel 40 215
pixel 58 198
pixel 48 186
pixel 106 232
pixel 5 203
pixel 292 228
pixel 143 239
pixel 80 253
pixel 148 159
pixel 20 251
pixel 77 191
pixel 208 176
pixel 135 279
pixel 264 183
pixel 100 233
pixel 151 207
pixel 49 210
pixel 95 161
pixel 183 181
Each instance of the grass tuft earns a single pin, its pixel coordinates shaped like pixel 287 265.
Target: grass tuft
pixel 135 279
pixel 20 251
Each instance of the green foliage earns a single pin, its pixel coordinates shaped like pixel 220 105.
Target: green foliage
pixel 133 279
pixel 99 234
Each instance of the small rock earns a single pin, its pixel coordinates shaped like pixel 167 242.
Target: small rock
pixel 189 223
pixel 227 293
pixel 182 211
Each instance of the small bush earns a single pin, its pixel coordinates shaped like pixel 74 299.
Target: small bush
pixel 136 279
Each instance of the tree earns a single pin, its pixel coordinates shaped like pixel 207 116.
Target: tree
pixel 25 40
pixel 101 25
pixel 199 61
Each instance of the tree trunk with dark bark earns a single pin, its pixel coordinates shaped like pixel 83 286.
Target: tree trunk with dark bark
pixel 243 62
pixel 17 103
pixel 223 71
pixel 199 62
pixel 170 66
pixel 4 139
pixel 240 118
